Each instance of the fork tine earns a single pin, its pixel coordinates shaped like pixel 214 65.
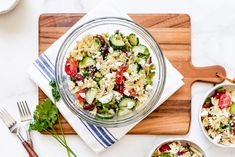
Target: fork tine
pixel 4 119
pixel 25 108
pixel 9 117
pixel 28 110
pixel 22 109
pixel 19 108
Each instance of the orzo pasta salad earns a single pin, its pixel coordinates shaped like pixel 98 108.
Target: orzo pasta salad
pixel 110 74
pixel 176 149
pixel 218 116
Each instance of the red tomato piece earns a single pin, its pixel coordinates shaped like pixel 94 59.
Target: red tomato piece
pixel 123 68
pixel 119 77
pixel 119 74
pixel 224 101
pixel 182 152
pixel 164 148
pixel 132 92
pixel 207 105
pixel 88 107
pixel 233 128
pixel 71 67
pixel 121 88
pixel 218 95
pixel 79 77
pixel 79 97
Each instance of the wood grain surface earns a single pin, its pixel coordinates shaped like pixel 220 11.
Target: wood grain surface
pixel 173 33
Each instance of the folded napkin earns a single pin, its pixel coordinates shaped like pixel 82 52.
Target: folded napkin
pixel 43 70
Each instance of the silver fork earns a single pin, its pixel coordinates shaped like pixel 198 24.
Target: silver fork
pixel 25 118
pixel 12 125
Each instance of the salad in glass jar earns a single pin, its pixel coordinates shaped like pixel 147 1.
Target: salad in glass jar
pixel 110 74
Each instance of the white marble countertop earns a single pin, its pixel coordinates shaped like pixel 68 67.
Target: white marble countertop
pixel 213 37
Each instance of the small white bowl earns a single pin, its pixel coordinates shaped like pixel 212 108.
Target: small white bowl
pixel 193 144
pixel 7 5
pixel 210 93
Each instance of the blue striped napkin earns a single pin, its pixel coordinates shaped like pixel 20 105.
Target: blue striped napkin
pixel 43 70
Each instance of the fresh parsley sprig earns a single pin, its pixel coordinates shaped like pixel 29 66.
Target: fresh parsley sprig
pixel 46 115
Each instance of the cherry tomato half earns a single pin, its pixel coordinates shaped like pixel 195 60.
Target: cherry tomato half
pixel 71 67
pixel 224 101
pixel 164 148
pixel 132 92
pixel 79 97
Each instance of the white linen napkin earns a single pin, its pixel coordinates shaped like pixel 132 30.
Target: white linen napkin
pixel 43 70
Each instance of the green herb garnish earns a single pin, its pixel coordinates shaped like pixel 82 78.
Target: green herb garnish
pixel 54 91
pixel 46 115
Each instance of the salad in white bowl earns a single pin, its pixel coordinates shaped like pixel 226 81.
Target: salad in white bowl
pixel 217 115
pixel 178 148
pixel 110 74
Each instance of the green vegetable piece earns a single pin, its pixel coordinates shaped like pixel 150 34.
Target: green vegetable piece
pixel 86 62
pixel 133 39
pixel 208 100
pixel 90 95
pixel 97 79
pixel 117 42
pixel 104 116
pixel 96 44
pixel 221 89
pixel 54 91
pixel 152 67
pixel 232 108
pixel 166 155
pixel 45 116
pixel 86 74
pixel 151 75
pixel 141 49
pixel 124 102
pixel 149 81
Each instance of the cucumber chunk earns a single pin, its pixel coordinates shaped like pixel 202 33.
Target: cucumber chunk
pixel 127 103
pixel 117 42
pixel 232 108
pixel 96 44
pixel 90 95
pixel 123 111
pixel 141 49
pixel 133 39
pixel 104 115
pixel 134 68
pixel 86 62
pixel 106 99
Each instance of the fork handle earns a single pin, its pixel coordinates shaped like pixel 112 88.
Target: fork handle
pixel 29 149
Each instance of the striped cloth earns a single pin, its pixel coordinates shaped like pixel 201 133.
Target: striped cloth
pixel 42 71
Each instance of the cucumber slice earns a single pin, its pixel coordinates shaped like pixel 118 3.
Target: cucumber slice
pixel 221 89
pixel 134 68
pixel 166 154
pixel 151 75
pixel 106 99
pixel 104 115
pixel 149 81
pixel 86 62
pixel 90 95
pixel 141 49
pixel 232 108
pixel 96 44
pixel 133 39
pixel 123 111
pixel 128 103
pixel 117 42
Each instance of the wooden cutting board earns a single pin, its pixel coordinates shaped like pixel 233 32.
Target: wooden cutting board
pixel 173 33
